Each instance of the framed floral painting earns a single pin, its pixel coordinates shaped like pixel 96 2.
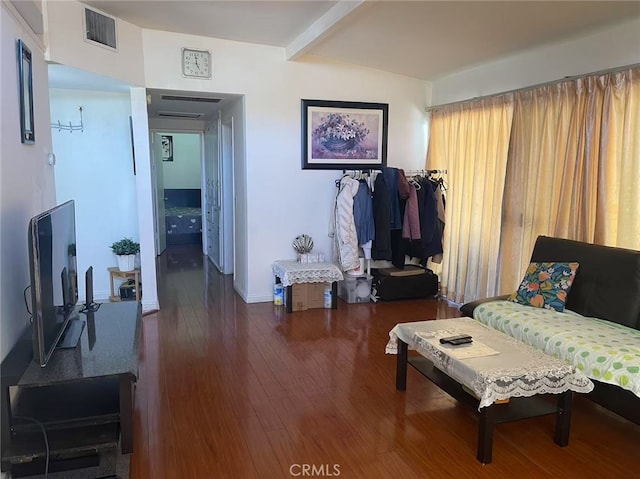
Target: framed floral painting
pixel 344 135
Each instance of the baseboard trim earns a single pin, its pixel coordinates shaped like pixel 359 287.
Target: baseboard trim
pixel 259 298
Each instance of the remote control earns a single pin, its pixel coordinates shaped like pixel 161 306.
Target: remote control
pixel 456 340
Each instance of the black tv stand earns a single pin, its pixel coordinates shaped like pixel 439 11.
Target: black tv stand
pixel 71 335
pixel 83 396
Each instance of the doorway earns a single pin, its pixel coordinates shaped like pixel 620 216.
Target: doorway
pixel 179 187
pixel 204 179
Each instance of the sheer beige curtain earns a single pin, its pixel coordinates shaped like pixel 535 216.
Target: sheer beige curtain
pixel 471 142
pixel 573 168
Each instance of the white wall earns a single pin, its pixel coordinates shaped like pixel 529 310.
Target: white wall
pixel 95 168
pixel 185 171
pixel 144 198
pixel 607 48
pixel 64 31
pixel 26 179
pixel 282 200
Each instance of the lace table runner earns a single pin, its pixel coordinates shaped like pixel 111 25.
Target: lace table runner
pixel 517 370
pixel 292 272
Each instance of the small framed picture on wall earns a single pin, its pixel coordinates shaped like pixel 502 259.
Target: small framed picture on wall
pixel 167 148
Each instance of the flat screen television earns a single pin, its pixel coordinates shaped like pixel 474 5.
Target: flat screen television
pixel 54 278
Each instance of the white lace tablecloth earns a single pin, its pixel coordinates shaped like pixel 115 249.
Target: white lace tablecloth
pixel 517 369
pixel 291 272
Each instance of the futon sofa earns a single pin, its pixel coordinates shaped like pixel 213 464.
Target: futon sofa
pixel 601 319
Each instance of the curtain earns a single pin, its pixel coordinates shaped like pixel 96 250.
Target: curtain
pixel 618 213
pixel 471 142
pixel 573 168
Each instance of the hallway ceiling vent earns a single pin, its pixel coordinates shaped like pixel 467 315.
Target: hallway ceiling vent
pixel 191 98
pixel 100 29
pixel 179 114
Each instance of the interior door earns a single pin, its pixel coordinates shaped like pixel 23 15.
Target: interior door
pixel 161 221
pixel 212 206
pixel 227 206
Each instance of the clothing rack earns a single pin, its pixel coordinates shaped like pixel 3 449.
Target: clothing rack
pixel 364 174
pixel 424 172
pixel 418 178
pixel 427 173
pixel 355 174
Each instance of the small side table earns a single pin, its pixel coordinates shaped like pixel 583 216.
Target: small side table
pixel 114 272
pixel 292 272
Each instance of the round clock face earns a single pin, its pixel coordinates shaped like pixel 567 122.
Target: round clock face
pixel 196 63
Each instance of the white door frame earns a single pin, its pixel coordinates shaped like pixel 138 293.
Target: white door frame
pixel 159 249
pixel 227 195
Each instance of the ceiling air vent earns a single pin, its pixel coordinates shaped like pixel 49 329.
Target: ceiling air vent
pixel 179 114
pixel 191 98
pixel 100 29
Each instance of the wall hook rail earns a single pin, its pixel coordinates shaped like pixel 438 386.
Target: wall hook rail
pixel 70 127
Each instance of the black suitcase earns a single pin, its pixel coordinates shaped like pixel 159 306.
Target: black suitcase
pixel 412 282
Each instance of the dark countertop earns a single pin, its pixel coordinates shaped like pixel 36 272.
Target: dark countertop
pixel 108 346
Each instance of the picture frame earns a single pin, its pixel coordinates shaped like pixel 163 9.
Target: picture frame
pixel 167 147
pixel 344 135
pixel 25 81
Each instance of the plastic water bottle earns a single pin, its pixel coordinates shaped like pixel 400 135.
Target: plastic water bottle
pixel 278 294
pixel 327 297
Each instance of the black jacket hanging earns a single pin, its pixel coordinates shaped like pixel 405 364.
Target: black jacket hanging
pixel 381 248
pixel 430 242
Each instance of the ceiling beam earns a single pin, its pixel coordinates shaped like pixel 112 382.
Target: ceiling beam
pixel 322 27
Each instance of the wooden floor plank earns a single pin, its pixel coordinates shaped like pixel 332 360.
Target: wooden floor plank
pixel 235 390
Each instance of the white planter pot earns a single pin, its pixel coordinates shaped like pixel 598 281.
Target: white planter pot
pixel 126 262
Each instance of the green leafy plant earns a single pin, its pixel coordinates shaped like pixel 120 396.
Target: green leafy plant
pixel 125 246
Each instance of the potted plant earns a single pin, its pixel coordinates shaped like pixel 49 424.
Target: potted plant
pixel 125 251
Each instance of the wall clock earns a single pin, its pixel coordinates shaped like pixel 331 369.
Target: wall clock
pixel 25 75
pixel 196 63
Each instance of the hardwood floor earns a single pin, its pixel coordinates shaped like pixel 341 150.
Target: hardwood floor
pixel 235 390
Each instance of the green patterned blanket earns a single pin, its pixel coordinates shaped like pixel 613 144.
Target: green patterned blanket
pixel 604 351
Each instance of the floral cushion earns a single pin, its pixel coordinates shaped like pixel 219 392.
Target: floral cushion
pixel 546 285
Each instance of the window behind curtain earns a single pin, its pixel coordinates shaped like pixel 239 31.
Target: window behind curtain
pixel 560 160
pixel 574 167
pixel 471 141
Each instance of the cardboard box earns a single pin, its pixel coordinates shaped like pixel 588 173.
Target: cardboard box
pixel 315 295
pixel 307 296
pixel 298 297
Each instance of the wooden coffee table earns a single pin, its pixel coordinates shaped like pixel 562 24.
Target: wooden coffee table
pixel 501 377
